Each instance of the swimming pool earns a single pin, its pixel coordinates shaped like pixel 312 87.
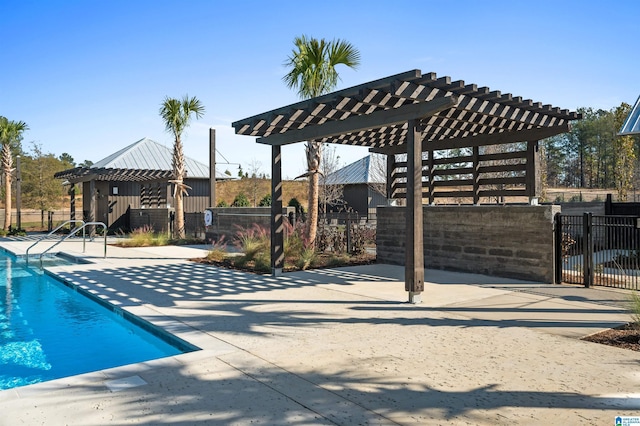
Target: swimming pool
pixel 49 331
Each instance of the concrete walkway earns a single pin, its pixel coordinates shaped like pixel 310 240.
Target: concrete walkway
pixel 341 346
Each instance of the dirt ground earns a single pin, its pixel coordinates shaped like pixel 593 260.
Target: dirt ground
pixel 627 337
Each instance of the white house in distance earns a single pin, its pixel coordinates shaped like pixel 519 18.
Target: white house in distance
pixel 364 184
pixel 631 125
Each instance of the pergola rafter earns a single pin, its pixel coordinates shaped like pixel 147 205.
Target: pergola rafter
pixel 418 114
pixel 82 174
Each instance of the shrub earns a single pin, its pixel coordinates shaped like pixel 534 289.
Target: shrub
pixel 222 203
pixel 145 236
pixel 241 200
pixel 338 260
pixel 306 258
pixel 255 244
pixel 218 250
pixel 17 232
pixel 635 309
pixel 576 198
pixel 293 239
pixel 295 203
pixel 266 201
pixel 360 237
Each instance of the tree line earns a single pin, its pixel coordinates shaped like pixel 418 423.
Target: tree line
pixel 39 190
pixel 592 155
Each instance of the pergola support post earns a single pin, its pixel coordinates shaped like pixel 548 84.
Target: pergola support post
pixel 391 167
pixel 414 249
pixel 476 175
pixel 212 167
pixel 277 227
pixel 72 202
pixel 93 203
pixel 431 177
pixel 533 176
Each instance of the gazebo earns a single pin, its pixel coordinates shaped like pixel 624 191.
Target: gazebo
pixel 131 187
pixel 417 115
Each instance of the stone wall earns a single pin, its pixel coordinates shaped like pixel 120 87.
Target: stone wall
pixel 505 241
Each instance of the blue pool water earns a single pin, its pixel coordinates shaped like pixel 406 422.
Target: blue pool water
pixel 49 331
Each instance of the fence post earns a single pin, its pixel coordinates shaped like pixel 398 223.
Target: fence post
pixel 557 248
pixel 587 249
pixel 348 223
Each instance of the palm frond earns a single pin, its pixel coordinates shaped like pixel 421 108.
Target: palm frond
pixel 312 65
pixel 11 132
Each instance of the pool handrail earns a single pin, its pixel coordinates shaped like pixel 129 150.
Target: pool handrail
pixel 74 221
pixel 72 233
pixel 104 226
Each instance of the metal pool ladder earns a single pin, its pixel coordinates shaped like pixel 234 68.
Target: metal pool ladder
pixel 73 232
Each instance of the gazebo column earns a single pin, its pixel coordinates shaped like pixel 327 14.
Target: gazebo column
pixel 431 176
pixel 212 167
pixel 391 168
pixel 533 177
pixel 92 205
pixel 414 249
pixel 72 202
pixel 277 227
pixel 476 175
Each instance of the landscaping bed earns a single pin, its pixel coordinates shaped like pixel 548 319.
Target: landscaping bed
pixel 321 260
pixel 626 336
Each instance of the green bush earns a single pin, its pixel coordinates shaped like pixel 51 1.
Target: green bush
pixel 145 236
pixel 255 244
pixel 295 203
pixel 241 200
pixel 218 250
pixel 635 309
pixel 306 258
pixel 222 203
pixel 17 232
pixel 266 201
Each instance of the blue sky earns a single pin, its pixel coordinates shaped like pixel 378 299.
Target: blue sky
pixel 88 77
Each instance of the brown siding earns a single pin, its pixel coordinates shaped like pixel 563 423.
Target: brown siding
pixel 128 197
pixel 115 209
pixel 198 199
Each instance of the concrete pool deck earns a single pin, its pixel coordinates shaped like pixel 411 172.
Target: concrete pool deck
pixel 340 346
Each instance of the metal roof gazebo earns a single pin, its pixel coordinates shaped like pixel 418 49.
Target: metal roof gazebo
pixel 414 113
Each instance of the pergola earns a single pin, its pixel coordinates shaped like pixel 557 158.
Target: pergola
pixel 418 115
pixel 92 175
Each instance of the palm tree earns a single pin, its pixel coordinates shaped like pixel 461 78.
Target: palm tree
pixel 177 115
pixel 313 73
pixel 10 137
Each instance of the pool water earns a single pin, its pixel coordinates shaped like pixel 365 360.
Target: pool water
pixel 49 331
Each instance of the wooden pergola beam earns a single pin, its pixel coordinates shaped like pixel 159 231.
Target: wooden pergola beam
pixel 348 92
pixel 480 140
pixel 388 117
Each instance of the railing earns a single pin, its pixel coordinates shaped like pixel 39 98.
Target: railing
pixel 598 250
pixel 53 232
pixel 72 233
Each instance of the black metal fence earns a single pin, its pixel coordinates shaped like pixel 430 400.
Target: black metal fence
pixel 345 232
pixel 598 250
